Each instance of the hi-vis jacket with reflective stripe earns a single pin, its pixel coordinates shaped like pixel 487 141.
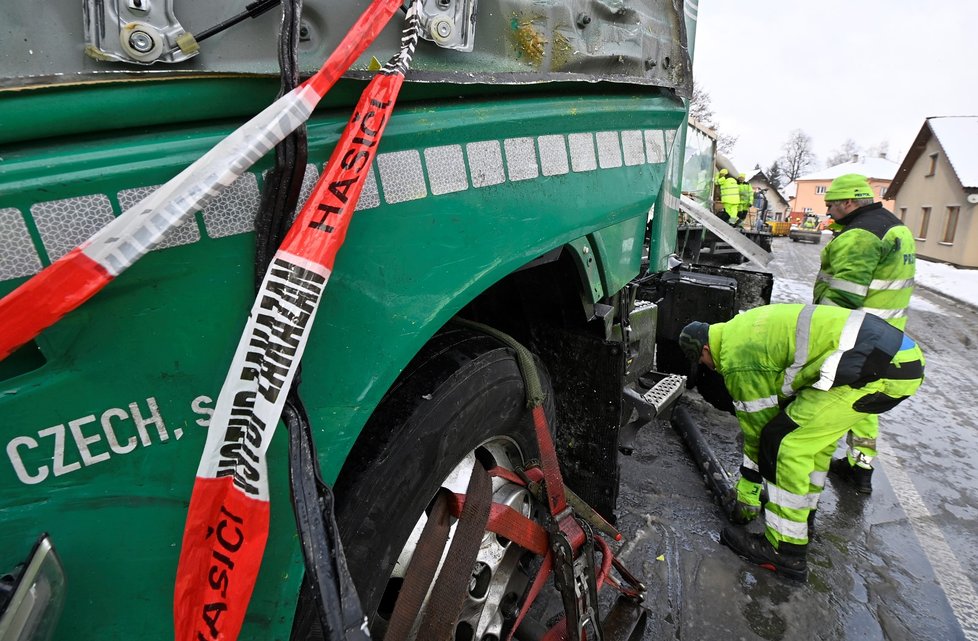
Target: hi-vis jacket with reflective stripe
pixel 767 354
pixel 869 265
pixel 730 190
pixel 746 195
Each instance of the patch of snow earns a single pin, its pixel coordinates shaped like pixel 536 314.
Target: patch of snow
pixel 959 284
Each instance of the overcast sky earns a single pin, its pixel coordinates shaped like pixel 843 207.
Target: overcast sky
pixel 870 70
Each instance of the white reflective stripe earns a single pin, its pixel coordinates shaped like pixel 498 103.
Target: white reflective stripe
pixel 749 464
pixel 891 284
pixel 848 286
pixel 786 527
pixel 886 313
pixel 861 457
pixel 829 302
pixel 823 277
pixel 802 332
pixel 784 498
pixel 813 500
pixel 817 478
pixel 846 342
pixel 756 405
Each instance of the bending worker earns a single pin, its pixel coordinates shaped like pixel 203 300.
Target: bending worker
pixel 800 376
pixel 868 265
pixel 730 197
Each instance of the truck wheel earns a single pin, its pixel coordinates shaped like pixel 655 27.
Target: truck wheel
pixel 461 398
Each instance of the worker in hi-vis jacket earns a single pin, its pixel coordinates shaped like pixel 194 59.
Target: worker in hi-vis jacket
pixel 800 376
pixel 869 264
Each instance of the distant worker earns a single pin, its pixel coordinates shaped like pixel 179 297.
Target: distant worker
pixel 746 198
pixel 760 204
pixel 809 223
pixel 868 265
pixel 718 191
pixel 800 376
pixel 730 197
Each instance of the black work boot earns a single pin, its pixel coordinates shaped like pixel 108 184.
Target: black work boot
pixel 788 560
pixel 860 478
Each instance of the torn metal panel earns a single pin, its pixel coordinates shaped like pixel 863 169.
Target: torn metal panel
pixel 513 42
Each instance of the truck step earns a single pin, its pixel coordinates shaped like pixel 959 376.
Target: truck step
pixel 650 402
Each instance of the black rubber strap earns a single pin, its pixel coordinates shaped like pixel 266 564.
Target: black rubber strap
pixel 327 576
pixel 421 571
pixel 448 595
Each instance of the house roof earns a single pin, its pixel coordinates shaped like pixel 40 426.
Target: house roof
pixel 958 138
pixel 880 168
pixel 755 174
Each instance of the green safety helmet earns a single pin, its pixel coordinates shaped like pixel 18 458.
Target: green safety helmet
pixel 849 187
pixel 724 172
pixel 742 175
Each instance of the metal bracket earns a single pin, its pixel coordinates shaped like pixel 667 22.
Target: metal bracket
pixel 449 23
pixel 575 579
pixel 135 31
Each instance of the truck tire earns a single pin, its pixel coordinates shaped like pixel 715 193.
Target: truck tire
pixel 461 398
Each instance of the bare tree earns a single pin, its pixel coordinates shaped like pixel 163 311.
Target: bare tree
pixel 725 143
pixel 701 111
pixel 699 106
pixel 848 152
pixel 879 150
pixel 798 156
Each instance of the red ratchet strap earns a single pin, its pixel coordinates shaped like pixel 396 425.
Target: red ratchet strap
pixel 227 521
pixel 71 280
pixel 548 461
pixel 507 522
pixel 570 535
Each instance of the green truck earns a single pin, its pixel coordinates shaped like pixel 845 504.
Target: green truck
pixel 529 173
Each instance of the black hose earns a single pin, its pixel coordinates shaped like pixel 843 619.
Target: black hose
pixel 327 584
pixel 714 475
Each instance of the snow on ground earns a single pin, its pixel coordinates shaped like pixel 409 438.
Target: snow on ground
pixel 959 284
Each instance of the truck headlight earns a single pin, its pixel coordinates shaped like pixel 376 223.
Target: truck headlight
pixel 32 595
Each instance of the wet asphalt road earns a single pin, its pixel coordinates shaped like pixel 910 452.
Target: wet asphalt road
pixel 900 564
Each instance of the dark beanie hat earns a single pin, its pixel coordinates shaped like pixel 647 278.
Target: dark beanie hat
pixel 692 339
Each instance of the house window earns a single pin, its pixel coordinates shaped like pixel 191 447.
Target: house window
pixel 882 192
pixel 808 210
pixel 903 214
pixel 951 223
pixel 924 222
pixel 819 189
pixel 933 165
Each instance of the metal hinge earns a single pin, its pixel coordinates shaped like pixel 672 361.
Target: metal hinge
pixel 449 23
pixel 135 31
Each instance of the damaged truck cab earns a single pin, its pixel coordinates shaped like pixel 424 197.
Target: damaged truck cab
pixel 530 171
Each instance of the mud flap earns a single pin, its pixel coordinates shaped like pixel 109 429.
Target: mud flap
pixel 626 621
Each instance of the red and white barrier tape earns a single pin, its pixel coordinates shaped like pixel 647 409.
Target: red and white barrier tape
pixel 81 273
pixel 227 522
